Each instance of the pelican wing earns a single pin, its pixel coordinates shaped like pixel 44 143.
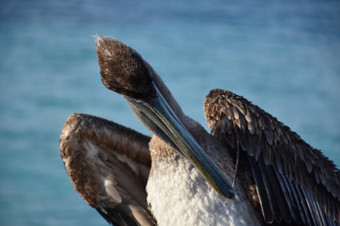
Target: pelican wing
pixel 109 166
pixel 294 182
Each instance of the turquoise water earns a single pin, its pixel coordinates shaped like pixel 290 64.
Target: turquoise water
pixel 281 55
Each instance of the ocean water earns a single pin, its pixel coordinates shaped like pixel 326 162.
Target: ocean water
pixel 281 55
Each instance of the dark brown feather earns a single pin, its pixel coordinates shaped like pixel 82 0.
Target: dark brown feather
pixel 108 165
pixel 306 179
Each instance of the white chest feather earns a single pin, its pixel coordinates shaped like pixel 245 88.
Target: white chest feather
pixel 179 195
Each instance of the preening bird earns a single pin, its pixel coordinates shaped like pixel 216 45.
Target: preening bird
pixel 250 170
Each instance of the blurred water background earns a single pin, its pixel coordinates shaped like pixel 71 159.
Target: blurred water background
pixel 282 55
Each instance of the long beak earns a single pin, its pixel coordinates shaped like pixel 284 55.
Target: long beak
pixel 160 113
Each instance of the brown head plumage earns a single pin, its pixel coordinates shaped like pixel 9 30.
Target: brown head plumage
pixel 123 70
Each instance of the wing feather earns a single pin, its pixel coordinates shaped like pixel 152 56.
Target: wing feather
pixel 261 191
pixel 109 166
pixel 289 199
pixel 282 164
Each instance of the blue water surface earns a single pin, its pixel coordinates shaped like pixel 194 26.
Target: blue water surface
pixel 281 55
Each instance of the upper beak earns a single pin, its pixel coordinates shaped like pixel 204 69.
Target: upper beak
pixel 161 114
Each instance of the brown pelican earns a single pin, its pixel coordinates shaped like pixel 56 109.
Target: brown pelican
pixel 276 177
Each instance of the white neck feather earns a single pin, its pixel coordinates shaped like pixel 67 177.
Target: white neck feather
pixel 179 195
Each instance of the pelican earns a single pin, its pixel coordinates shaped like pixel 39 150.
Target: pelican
pixel 250 170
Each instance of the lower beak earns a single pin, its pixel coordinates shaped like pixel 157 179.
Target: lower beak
pixel 161 114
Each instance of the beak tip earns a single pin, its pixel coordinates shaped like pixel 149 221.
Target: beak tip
pixel 229 193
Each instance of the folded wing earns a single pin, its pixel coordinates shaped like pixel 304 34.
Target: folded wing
pixel 295 183
pixel 109 166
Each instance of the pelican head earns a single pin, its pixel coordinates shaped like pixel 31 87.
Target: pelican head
pixel 124 71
